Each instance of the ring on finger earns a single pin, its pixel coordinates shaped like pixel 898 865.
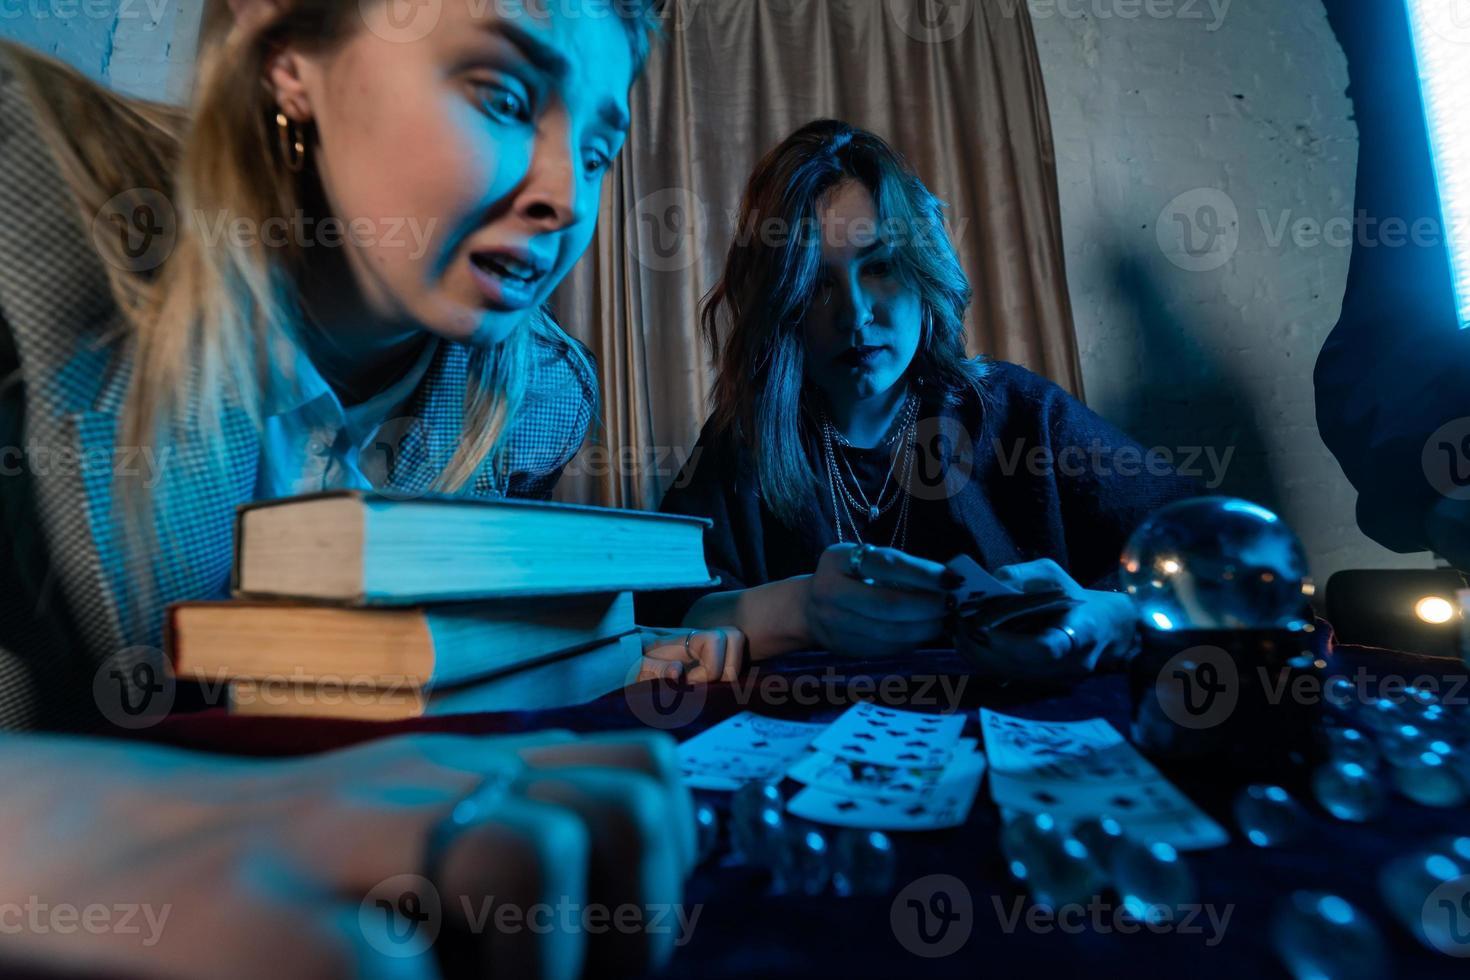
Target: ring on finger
pixel 855 563
pixel 475 807
pixel 1073 643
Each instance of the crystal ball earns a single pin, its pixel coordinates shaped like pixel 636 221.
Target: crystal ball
pixel 1320 935
pixel 1217 563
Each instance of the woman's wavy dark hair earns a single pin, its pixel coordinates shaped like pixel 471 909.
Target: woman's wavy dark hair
pixel 752 319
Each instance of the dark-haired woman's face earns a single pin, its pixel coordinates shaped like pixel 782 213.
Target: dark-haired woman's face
pixel 864 324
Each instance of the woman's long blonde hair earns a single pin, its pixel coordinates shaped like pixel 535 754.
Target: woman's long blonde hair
pixel 205 324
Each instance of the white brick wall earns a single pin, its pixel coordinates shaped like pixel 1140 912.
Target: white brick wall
pixel 1247 98
pixel 76 31
pixel 153 47
pixel 142 47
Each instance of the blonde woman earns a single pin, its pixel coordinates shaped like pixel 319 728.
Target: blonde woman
pixel 237 300
pixel 357 221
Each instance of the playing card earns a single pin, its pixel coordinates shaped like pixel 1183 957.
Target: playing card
pixel 946 805
pixel 1055 749
pixel 985 602
pixel 867 732
pixel 741 749
pixel 979 584
pixel 835 774
pixel 1085 769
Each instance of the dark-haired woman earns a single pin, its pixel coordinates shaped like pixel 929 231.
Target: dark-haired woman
pixel 855 449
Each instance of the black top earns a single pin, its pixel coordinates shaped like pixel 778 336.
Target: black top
pixel 1018 471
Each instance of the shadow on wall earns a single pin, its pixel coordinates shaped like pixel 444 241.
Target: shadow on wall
pixel 1187 398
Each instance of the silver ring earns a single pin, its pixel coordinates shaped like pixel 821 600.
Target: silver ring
pixel 1073 644
pixel 473 808
pixel 689 638
pixel 855 559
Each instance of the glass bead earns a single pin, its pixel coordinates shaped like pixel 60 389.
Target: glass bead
pixel 1457 848
pixel 1402 744
pixel 1055 867
pixel 1153 881
pixel 1320 935
pixel 755 815
pixel 1350 745
pixel 1435 714
pixel 1268 816
pixel 1101 838
pixel 707 830
pixel 1430 781
pixel 1407 883
pixel 1456 756
pixel 863 863
pixel 1340 693
pixel 1381 715
pixel 800 860
pixel 1348 791
pixel 1422 697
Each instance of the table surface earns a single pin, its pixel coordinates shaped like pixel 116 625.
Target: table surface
pixel 744 930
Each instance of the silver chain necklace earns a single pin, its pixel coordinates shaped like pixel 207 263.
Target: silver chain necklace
pixel 859 500
pixel 836 479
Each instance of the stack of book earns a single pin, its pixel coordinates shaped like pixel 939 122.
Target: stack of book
pixel 355 605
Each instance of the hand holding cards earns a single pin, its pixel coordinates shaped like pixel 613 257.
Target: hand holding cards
pixel 986 603
pixel 1033 621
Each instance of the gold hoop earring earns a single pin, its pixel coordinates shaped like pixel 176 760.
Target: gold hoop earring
pixel 293 150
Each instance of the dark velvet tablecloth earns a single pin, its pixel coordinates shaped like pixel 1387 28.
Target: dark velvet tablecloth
pixel 743 930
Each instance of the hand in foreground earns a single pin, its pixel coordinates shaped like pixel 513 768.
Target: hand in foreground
pixel 288 869
pixel 1095 634
pixel 697 656
pixel 888 604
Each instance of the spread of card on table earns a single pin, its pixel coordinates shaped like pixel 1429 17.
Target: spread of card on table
pixel 877 767
pixel 946 804
pixel 743 749
pixel 892 736
pixel 1077 770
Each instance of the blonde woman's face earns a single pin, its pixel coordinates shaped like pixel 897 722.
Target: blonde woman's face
pixel 464 145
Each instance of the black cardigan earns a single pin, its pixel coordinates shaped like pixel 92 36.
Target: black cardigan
pixel 1013 507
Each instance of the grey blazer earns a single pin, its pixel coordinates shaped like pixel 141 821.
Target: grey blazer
pixel 67 608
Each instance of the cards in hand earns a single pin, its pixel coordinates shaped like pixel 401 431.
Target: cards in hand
pixel 743 749
pixel 1077 770
pixel 985 602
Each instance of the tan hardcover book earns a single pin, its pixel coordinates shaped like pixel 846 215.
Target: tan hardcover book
pixel 563 682
pixel 424 646
pixel 367 549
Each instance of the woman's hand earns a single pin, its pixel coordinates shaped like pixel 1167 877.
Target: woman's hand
pixel 291 869
pixel 1095 634
pixel 898 604
pixel 698 656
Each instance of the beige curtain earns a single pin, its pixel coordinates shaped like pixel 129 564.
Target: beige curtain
pixel 955 85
